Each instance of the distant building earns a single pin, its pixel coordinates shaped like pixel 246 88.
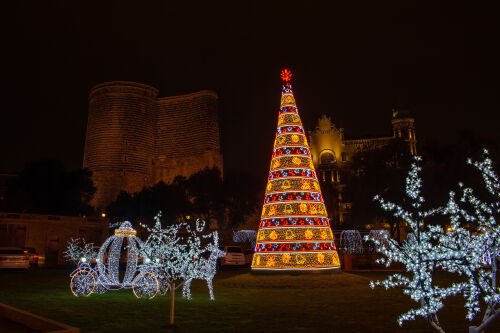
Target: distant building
pixel 135 139
pixel 331 152
pixel 49 234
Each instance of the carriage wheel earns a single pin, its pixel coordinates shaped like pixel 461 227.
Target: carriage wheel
pixel 82 283
pixel 145 285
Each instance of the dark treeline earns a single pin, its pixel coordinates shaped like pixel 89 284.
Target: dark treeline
pixel 207 195
pixel 383 171
pixel 45 187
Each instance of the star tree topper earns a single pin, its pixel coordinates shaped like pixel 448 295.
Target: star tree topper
pixel 286 76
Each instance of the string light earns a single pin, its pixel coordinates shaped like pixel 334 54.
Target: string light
pixel 417 254
pixel 174 257
pixel 475 254
pixel 85 280
pixel 380 237
pixel 109 274
pixel 456 250
pixel 294 230
pixel 242 236
pixel 351 242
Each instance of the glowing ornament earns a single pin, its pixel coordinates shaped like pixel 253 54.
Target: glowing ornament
pixel 303 207
pixel 308 234
pixel 271 261
pixel 285 258
pixel 321 258
pixel 300 259
pixel 286 75
pixel 290 234
pixel 324 234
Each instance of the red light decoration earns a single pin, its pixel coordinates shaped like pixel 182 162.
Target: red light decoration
pixel 286 75
pixel 294 229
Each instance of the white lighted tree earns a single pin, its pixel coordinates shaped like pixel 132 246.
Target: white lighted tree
pixel 79 251
pixel 476 254
pixel 418 254
pixel 173 257
pixel 469 247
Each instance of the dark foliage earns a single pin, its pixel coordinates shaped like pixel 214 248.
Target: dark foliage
pixel 380 171
pixel 383 172
pixel 44 187
pixel 445 165
pixel 205 194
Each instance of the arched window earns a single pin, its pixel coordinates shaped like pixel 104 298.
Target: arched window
pixel 327 157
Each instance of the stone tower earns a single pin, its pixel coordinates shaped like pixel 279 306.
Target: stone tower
pixel 135 139
pixel 187 135
pixel 403 126
pixel 120 138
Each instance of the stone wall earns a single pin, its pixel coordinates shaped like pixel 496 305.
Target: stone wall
pixel 49 234
pixel 135 139
pixel 187 138
pixel 120 138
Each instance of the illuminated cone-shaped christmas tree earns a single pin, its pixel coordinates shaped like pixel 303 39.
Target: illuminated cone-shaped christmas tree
pixel 294 230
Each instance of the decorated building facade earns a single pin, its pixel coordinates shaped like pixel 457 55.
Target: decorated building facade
pixel 331 152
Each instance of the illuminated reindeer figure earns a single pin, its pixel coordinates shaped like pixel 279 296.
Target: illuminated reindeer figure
pixel 204 269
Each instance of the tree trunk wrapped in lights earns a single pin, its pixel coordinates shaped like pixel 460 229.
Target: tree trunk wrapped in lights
pixel 294 230
pixel 469 247
pixel 173 257
pixel 419 254
pixel 476 255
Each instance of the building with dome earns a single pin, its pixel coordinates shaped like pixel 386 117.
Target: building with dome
pixel 331 152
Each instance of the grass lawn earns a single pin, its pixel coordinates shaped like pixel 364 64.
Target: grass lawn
pixel 244 302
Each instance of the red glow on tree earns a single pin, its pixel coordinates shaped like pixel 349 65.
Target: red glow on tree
pixel 286 75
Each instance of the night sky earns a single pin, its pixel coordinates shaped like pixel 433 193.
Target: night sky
pixel 352 60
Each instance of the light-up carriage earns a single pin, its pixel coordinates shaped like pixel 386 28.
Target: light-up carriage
pixel 101 273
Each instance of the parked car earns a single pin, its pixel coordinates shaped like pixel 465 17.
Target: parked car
pixel 248 256
pixel 234 256
pixel 13 257
pixel 33 256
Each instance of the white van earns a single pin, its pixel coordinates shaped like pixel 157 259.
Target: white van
pixel 234 256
